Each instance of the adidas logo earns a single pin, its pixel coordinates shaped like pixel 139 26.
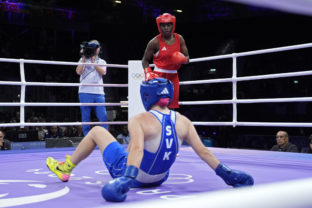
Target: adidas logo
pixel 164 48
pixel 164 91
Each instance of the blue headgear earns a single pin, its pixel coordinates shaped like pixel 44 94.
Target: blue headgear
pixel 151 91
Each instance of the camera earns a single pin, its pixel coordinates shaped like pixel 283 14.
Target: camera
pixel 88 49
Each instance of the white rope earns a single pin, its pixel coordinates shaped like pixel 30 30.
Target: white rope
pixel 279 75
pixel 206 81
pixel 239 123
pixel 196 123
pixel 64 104
pixel 249 78
pixel 289 194
pixel 275 100
pixel 266 100
pixel 29 61
pixel 208 102
pixel 63 123
pixel 271 50
pixel 263 100
pixel 54 84
pixel 213 123
pixel 275 124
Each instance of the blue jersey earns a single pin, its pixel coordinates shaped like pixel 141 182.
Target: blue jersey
pixel 155 165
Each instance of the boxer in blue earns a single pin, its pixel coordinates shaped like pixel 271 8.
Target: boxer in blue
pixel 156 137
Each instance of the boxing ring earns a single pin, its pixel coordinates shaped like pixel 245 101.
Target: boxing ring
pixel 281 179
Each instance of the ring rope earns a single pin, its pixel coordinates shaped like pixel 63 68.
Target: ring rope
pixel 240 101
pixel 64 104
pixel 249 53
pixel 63 123
pixel 239 123
pixel 234 81
pixel 249 78
pixel 29 61
pixel 59 84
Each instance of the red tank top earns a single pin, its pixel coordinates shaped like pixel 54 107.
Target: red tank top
pixel 162 59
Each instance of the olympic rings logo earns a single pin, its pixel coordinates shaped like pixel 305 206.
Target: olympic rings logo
pixel 137 76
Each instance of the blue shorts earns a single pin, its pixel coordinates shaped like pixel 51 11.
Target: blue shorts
pixel 115 159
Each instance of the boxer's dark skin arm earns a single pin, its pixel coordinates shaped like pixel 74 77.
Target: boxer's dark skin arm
pixel 184 49
pixel 151 48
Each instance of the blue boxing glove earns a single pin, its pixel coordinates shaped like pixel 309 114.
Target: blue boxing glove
pixel 116 190
pixel 234 178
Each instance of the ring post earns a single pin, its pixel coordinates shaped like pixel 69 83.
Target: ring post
pixel 22 98
pixel 135 78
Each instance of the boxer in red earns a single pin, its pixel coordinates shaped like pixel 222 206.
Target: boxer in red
pixel 168 51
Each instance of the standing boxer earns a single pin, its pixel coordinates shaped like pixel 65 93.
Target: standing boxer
pixel 169 52
pixel 156 137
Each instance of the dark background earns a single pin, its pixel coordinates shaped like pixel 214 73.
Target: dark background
pixel 53 30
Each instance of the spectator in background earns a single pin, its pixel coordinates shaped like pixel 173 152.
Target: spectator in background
pixel 54 132
pixel 4 144
pixel 42 130
pixel 283 144
pixel 124 135
pixel 309 148
pixel 79 131
pixel 91 74
pixel 69 131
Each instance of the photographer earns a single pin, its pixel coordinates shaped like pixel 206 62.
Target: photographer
pixel 91 74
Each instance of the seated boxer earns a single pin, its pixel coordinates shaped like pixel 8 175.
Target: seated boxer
pixel 156 137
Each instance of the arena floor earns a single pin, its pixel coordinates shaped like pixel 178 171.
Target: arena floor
pixel 25 180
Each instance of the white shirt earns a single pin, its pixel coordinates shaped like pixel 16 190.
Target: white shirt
pixel 91 76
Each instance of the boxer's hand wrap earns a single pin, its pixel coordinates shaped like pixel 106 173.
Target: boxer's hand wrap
pixel 149 74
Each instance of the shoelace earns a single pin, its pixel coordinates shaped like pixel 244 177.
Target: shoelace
pixel 64 166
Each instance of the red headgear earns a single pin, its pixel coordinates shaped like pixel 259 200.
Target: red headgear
pixel 166 18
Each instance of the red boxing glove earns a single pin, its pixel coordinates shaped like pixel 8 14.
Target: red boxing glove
pixel 149 74
pixel 178 58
